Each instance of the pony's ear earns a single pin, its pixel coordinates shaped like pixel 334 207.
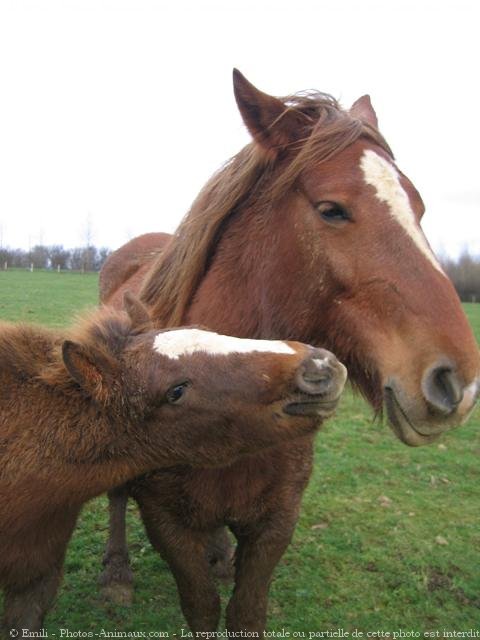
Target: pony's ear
pixel 268 119
pixel 137 312
pixel 92 371
pixel 363 110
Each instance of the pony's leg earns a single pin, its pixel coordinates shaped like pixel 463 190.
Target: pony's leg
pixel 185 552
pixel 258 552
pixel 116 579
pixel 25 607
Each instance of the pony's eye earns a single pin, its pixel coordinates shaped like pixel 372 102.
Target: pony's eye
pixel 332 212
pixel 176 394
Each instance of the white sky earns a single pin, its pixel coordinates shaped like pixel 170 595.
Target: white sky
pixel 118 111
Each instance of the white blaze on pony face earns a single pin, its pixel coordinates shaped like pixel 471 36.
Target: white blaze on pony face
pixel 382 175
pixel 180 342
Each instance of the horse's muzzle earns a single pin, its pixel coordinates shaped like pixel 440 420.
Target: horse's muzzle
pixel 445 404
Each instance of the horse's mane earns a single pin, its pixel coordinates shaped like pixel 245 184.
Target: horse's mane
pixel 247 177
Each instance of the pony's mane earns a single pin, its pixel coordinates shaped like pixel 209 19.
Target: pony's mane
pixel 105 329
pixel 248 177
pixel 102 332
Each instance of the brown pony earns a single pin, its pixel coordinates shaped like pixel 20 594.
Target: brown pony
pixel 80 416
pixel 310 232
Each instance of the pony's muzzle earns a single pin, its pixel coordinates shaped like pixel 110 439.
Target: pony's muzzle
pixel 319 382
pixel 321 374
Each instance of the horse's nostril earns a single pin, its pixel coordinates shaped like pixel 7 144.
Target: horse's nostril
pixel 443 390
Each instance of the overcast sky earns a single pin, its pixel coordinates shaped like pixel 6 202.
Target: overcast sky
pixel 114 114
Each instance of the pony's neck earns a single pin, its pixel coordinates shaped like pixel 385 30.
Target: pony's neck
pixel 57 466
pixel 58 429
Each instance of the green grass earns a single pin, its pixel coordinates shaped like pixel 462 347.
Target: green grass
pixel 47 297
pixel 473 314
pixel 365 554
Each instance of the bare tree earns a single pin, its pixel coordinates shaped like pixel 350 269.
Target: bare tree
pixel 59 257
pixel 102 255
pixel 39 256
pixel 465 275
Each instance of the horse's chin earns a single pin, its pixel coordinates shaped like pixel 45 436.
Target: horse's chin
pixel 401 425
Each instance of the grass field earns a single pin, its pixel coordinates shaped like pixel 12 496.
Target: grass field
pixel 388 539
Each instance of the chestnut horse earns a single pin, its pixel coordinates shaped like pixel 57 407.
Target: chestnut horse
pixel 310 232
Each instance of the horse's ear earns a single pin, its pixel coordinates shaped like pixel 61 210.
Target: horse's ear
pixel 137 312
pixel 363 110
pixel 90 370
pixel 267 118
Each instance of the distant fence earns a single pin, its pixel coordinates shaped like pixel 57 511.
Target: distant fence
pixel 56 257
pixel 34 270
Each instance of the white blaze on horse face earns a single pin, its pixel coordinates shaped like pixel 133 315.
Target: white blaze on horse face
pixel 180 342
pixel 382 175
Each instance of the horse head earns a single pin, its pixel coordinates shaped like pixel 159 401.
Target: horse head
pixel 346 242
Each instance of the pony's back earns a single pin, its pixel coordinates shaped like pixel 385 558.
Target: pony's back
pixel 25 350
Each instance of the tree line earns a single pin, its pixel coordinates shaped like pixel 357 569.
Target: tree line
pixel 56 257
pixel 464 272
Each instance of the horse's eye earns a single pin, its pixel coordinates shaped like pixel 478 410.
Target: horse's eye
pixel 332 212
pixel 175 395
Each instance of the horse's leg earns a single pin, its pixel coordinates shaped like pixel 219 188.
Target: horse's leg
pixel 116 579
pixel 220 554
pixel 184 551
pixel 259 550
pixel 25 607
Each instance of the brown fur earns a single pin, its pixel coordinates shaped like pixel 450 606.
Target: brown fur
pixel 254 257
pixel 85 412
pixel 131 263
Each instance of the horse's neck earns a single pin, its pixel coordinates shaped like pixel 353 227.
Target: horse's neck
pixel 254 287
pixel 230 309
pixel 229 297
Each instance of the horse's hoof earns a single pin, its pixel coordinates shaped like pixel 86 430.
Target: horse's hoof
pixel 220 554
pixel 118 593
pixel 221 558
pixel 116 580
pixel 223 570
